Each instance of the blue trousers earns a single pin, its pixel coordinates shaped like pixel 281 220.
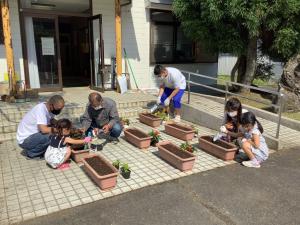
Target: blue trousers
pixel 36 144
pixel 176 99
pixel 114 132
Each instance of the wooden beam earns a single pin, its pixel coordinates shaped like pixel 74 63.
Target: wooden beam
pixel 118 37
pixel 8 46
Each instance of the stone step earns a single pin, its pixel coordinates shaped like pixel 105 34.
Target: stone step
pixel 8 128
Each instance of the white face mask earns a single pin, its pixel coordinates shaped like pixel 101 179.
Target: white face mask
pixel 232 114
pixel 98 107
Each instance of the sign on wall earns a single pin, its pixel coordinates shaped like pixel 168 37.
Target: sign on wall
pixel 47 45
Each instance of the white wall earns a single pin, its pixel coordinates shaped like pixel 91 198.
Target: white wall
pixel 16 43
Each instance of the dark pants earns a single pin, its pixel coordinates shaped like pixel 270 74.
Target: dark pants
pixel 114 132
pixel 36 144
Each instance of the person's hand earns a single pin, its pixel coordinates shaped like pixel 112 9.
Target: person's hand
pixel 244 140
pixel 96 131
pixel 67 140
pixel 87 139
pixel 106 128
pixel 229 126
pixel 82 130
pixel 158 100
pixel 223 129
pixel 167 102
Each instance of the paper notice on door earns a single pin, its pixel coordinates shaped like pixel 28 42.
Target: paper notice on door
pixel 47 45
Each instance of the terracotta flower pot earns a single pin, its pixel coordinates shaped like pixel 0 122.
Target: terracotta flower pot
pixel 137 137
pixel 220 149
pixel 150 119
pixel 101 171
pixel 182 160
pixel 180 131
pixel 78 153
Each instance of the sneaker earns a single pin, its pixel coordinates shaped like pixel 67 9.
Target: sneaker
pixel 177 119
pixel 251 163
pixel 113 140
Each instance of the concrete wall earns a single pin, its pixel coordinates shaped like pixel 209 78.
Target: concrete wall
pixel 16 42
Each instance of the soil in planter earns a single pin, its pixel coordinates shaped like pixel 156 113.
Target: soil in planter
pixel 137 133
pixel 218 142
pixel 99 166
pixel 181 127
pixel 151 115
pixel 176 151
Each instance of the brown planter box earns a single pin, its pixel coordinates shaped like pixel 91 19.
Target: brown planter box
pixel 101 171
pixel 78 155
pixel 150 119
pixel 137 137
pixel 220 148
pixel 182 160
pixel 180 131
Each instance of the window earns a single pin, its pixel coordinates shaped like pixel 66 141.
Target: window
pixel 168 44
pixel 1 30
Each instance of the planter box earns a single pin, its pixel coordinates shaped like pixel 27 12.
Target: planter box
pixel 150 119
pixel 137 137
pixel 220 149
pixel 101 171
pixel 182 160
pixel 77 154
pixel 180 131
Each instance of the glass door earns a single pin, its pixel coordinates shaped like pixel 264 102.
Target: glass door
pixel 43 52
pixel 96 53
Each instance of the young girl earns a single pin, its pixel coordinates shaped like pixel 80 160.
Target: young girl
pixel 232 119
pixel 254 144
pixel 58 152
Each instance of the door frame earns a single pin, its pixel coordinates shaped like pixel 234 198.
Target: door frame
pixel 101 53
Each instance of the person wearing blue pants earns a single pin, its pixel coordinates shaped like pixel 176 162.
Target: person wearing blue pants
pixel 101 115
pixel 172 87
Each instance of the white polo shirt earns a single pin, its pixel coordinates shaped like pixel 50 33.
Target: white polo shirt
pixel 175 79
pixel 38 115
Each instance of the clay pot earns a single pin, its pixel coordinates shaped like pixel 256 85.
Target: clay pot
pixel 150 119
pixel 137 137
pixel 101 171
pixel 180 131
pixel 180 159
pixel 221 149
pixel 78 153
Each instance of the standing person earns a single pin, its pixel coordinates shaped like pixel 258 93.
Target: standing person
pixel 58 152
pixel 172 87
pixel 254 144
pixel 33 130
pixel 101 115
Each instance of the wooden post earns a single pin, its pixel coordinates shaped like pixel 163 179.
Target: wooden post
pixel 118 37
pixel 8 46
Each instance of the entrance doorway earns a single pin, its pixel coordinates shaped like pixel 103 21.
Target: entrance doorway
pixel 75 51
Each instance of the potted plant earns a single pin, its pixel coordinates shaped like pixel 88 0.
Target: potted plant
pixel 155 137
pixel 162 115
pixel 219 148
pixel 125 122
pixel 180 131
pixel 187 147
pixel 78 152
pixel 125 170
pixel 101 171
pixel 195 130
pixel 137 137
pixel 182 160
pixel 116 164
pixel 150 119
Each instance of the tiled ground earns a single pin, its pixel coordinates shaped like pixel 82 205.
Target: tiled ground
pixel 29 188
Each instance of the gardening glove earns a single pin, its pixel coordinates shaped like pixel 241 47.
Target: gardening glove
pixel 87 139
pixel 167 102
pixel 244 140
pixel 223 129
pixel 158 100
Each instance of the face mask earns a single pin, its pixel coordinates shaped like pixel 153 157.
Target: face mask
pixel 98 107
pixel 56 111
pixel 232 114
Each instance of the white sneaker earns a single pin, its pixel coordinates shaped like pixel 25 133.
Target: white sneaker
pixel 251 163
pixel 177 119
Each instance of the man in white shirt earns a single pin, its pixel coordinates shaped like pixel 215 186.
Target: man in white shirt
pixel 172 87
pixel 33 130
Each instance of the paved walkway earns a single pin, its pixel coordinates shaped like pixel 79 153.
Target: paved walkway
pixel 29 188
pixel 289 138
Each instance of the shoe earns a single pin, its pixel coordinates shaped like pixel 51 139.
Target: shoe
pixel 113 140
pixel 251 163
pixel 177 119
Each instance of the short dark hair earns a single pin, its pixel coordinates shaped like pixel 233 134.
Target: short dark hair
pixel 158 69
pixel 95 97
pixel 56 99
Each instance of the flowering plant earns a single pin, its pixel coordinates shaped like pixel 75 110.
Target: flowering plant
pixel 187 147
pixel 155 137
